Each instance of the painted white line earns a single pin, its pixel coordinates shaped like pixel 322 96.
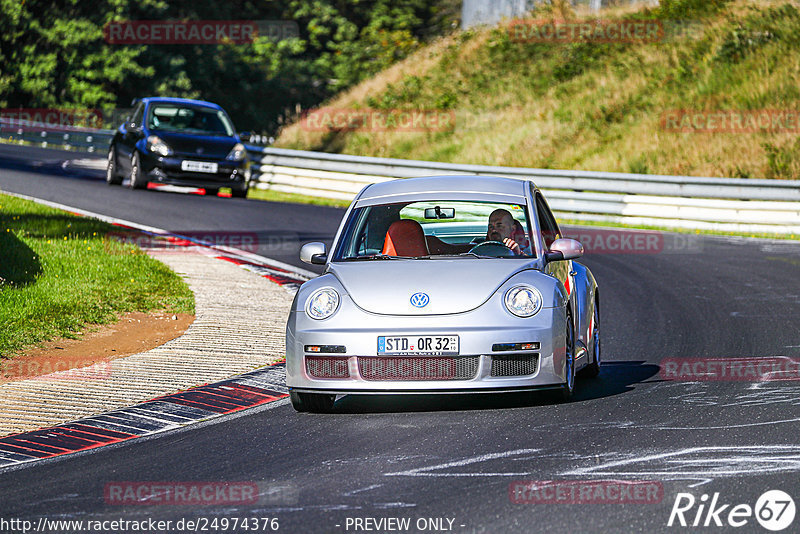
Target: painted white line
pixel 725 427
pixel 359 490
pixel 242 254
pixel 719 461
pixel 425 471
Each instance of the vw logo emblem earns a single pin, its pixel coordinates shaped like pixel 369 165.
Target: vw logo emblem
pixel 420 300
pixel 199 150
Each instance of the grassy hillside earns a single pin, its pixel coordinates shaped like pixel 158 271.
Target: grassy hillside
pixel 595 106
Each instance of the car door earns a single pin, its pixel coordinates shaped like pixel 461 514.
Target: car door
pixel 550 232
pixel 131 133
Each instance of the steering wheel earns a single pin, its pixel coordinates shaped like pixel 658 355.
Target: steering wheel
pixel 495 249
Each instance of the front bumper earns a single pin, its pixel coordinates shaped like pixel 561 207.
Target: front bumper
pixel 167 170
pixel 477 333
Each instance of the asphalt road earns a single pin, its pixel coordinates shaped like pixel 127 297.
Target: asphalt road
pixel 455 457
pixel 276 230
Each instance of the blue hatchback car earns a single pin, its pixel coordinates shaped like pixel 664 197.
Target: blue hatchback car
pixel 177 141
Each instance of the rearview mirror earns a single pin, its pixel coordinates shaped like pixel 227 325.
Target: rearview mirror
pixel 564 249
pixel 440 213
pixel 314 253
pixel 244 137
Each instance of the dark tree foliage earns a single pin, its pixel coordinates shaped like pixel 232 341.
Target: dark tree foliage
pixel 55 55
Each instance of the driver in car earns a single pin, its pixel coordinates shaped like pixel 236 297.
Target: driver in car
pixel 504 229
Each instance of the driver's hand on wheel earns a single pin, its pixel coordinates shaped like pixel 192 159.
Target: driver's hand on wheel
pixel 510 243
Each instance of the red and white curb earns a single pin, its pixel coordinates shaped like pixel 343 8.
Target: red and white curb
pixel 171 411
pixel 158 415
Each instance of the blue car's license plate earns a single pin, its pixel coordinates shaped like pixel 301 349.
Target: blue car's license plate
pixel 421 344
pixel 198 166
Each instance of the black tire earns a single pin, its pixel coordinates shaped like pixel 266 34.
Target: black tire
pixel 312 402
pixel 137 181
pixel 239 192
pixel 593 369
pixel 567 389
pixel 112 176
pixel 297 401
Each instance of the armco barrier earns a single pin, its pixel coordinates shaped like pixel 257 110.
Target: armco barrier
pixel 70 138
pixel 724 204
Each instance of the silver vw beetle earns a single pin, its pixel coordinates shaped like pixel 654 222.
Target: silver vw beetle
pixel 444 284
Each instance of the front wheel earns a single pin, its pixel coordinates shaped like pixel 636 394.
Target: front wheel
pixel 568 388
pixel 312 402
pixel 112 175
pixel 137 179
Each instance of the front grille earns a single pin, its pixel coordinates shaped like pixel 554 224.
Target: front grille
pixel 514 365
pixel 418 368
pixel 327 367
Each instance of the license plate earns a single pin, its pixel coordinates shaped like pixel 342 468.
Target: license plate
pixel 198 166
pixel 421 344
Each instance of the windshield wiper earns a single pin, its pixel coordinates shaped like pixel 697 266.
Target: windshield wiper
pixel 371 258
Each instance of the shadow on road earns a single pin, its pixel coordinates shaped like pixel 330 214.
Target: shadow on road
pixel 615 378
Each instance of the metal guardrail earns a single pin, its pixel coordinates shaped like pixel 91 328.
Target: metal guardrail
pixel 84 139
pixel 72 138
pixel 725 204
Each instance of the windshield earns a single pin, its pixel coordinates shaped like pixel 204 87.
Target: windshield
pixel 189 120
pixel 431 229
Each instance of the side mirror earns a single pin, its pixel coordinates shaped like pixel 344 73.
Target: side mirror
pixel 135 129
pixel 564 249
pixel 244 137
pixel 314 253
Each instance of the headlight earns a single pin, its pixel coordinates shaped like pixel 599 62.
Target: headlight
pixel 155 144
pixel 237 153
pixel 322 303
pixel 523 301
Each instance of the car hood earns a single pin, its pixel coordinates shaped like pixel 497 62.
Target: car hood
pixel 453 286
pixel 187 145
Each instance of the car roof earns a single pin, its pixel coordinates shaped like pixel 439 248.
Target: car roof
pixel 466 187
pixel 171 100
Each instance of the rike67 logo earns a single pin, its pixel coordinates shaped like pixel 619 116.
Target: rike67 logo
pixel 774 510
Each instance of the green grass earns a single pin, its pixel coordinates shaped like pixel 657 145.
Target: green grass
pixel 278 196
pixel 60 273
